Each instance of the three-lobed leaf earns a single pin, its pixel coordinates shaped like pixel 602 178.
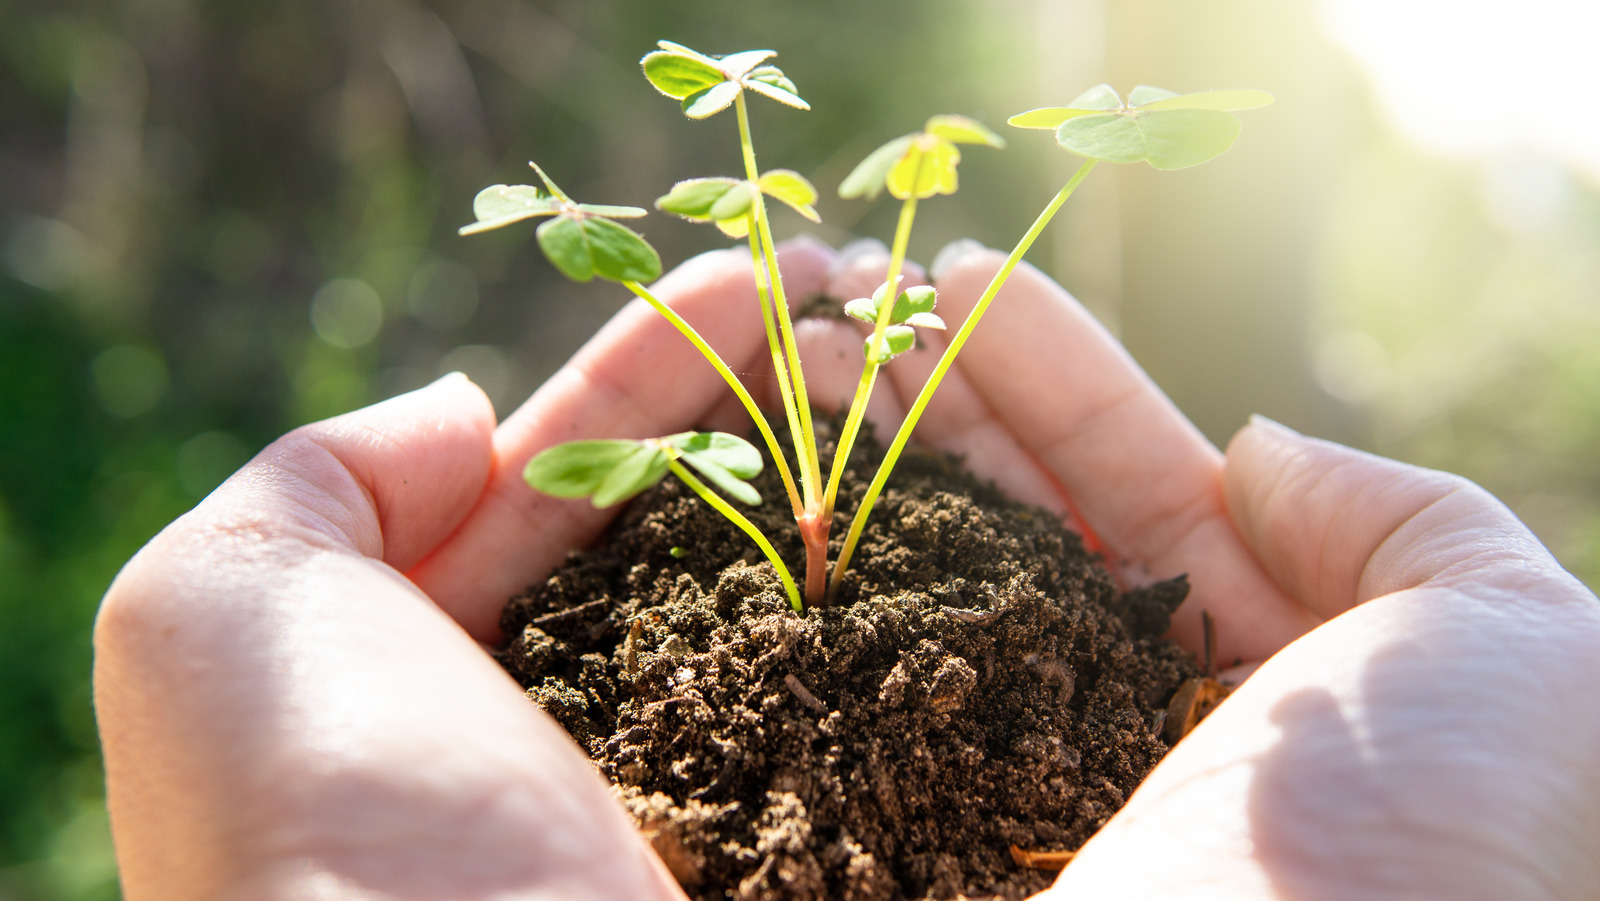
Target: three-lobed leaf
pixel 707 85
pixel 580 239
pixel 914 306
pixel 611 471
pixel 1155 125
pixel 920 164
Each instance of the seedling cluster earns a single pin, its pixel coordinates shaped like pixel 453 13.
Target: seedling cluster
pixel 1165 129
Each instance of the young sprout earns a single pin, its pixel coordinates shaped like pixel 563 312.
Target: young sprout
pixel 911 167
pixel 580 239
pixel 914 307
pixel 1166 129
pixel 707 85
pixel 920 164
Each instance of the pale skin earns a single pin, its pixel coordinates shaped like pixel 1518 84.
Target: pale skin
pixel 295 703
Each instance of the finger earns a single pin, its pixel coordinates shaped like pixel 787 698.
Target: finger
pixel 636 378
pixel 444 429
pixel 1338 527
pixel 282 712
pixel 1393 752
pixel 833 357
pixel 958 421
pixel 1141 476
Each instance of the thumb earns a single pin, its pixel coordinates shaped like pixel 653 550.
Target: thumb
pixel 283 714
pixel 1434 738
pixel 1336 527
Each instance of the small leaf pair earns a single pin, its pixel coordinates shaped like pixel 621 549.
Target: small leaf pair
pixel 611 471
pixel 1166 129
pixel 920 164
pixel 913 308
pixel 581 239
pixel 729 201
pixel 707 85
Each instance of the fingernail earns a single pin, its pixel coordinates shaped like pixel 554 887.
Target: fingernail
pixel 951 254
pixel 1256 419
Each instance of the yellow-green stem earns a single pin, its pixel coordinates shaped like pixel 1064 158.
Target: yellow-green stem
pixel 700 344
pixel 869 372
pixel 921 403
pixel 780 369
pixel 738 519
pixel 805 441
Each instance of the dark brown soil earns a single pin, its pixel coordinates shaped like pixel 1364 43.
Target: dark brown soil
pixel 981 684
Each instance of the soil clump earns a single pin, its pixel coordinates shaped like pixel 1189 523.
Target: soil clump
pixel 981 683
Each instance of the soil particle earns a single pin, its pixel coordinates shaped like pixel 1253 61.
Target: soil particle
pixel 980 684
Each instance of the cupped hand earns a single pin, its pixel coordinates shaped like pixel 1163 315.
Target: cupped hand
pixel 1424 727
pixel 292 695
pixel 293 704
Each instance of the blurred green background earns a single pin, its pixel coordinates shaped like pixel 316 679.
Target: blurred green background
pixel 219 221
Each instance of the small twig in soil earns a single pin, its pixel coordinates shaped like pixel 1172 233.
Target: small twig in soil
pixel 635 630
pixel 1196 698
pixel 1041 860
pixel 550 619
pixel 799 690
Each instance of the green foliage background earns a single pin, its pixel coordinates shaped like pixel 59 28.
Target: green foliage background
pixel 218 221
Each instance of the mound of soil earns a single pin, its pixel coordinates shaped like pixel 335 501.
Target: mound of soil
pixel 980 684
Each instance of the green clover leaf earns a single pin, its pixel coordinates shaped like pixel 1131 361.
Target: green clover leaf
pixel 611 471
pixel 608 471
pixel 913 308
pixel 920 164
pixel 728 201
pixel 725 460
pixel 1166 129
pixel 707 85
pixel 580 239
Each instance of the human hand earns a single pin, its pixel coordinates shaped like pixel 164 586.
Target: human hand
pixel 311 751
pixel 1424 727
pixel 290 697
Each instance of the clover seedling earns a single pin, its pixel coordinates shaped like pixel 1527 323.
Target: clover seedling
pixel 580 239
pixel 1165 129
